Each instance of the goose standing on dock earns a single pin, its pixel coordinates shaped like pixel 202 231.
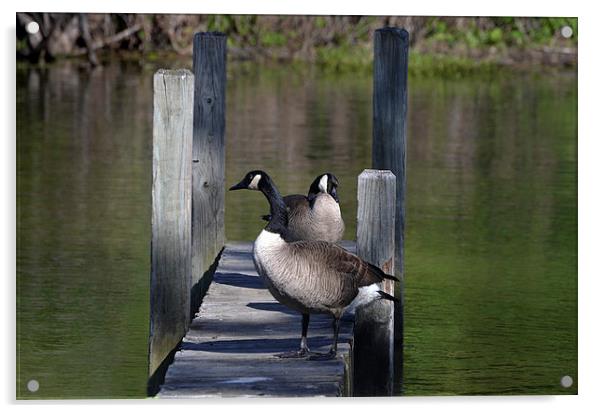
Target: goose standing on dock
pixel 308 276
pixel 317 216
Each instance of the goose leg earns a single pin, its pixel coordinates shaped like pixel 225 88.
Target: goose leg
pixel 333 350
pixel 303 349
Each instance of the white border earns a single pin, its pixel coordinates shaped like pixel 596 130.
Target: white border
pixel 383 7
pixel 590 151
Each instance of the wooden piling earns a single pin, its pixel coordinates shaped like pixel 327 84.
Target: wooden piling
pixel 390 103
pixel 171 213
pixel 208 157
pixel 373 331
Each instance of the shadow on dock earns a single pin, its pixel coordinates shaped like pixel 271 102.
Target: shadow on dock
pixel 241 280
pixel 273 307
pixel 269 346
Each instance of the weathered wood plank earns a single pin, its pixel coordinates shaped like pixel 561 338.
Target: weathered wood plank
pixel 390 105
pixel 373 333
pixel 171 208
pixel 264 388
pixel 230 346
pixel 208 169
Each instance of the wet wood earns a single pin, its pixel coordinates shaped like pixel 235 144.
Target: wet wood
pixel 374 326
pixel 171 212
pixel 230 346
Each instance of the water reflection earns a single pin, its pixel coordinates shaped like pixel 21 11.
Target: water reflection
pixel 295 126
pixel 491 302
pixel 491 217
pixel 83 231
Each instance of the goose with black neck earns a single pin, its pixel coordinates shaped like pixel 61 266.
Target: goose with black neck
pixel 316 216
pixel 311 277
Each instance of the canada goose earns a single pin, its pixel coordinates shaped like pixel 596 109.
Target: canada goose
pixel 307 276
pixel 316 216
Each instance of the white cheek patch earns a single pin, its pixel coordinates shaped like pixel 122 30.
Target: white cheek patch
pixel 255 182
pixel 323 185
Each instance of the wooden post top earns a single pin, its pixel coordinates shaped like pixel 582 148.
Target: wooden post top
pixel 210 34
pixel 174 72
pixel 401 33
pixel 382 173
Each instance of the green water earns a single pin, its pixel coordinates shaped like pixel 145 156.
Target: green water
pixel 491 253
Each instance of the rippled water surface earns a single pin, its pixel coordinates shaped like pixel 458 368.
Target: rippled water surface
pixel 491 253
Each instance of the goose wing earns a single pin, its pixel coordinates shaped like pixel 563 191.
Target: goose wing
pixel 364 273
pixel 296 204
pixel 335 273
pixel 337 262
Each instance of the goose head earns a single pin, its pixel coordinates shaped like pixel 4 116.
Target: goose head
pixel 253 180
pixel 260 181
pixel 326 183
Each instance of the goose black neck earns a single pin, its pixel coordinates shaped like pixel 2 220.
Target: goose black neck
pixel 279 216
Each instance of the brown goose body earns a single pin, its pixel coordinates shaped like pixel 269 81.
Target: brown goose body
pixel 308 276
pixel 317 220
pixel 317 216
pixel 312 276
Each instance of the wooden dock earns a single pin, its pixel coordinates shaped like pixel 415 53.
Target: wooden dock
pixel 227 348
pixel 230 345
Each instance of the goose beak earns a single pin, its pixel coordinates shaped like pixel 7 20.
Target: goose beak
pixel 240 185
pixel 333 193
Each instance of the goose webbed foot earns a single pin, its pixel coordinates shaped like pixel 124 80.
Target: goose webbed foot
pixel 323 356
pixel 303 349
pixel 296 354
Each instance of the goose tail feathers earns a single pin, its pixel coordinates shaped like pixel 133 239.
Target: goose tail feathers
pixel 380 273
pixel 385 296
pixel 390 277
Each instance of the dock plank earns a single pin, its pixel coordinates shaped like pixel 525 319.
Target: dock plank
pixel 230 345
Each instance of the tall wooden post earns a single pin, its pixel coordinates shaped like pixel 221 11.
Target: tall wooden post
pixel 171 206
pixel 390 103
pixel 208 156
pixel 373 331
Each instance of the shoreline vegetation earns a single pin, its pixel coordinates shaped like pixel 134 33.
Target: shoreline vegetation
pixel 452 46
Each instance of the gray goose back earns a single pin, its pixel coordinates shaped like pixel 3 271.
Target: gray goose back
pixel 321 221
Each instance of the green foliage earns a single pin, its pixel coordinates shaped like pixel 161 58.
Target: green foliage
pixel 344 43
pixel 442 33
pixel 21 44
pixel 152 56
pixel 320 22
pixel 246 25
pixel 517 37
pixel 472 39
pixel 273 39
pixel 344 59
pixel 495 36
pixel 427 65
pixel 500 31
pixel 220 22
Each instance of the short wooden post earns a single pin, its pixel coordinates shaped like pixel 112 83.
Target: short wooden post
pixel 390 104
pixel 373 330
pixel 208 154
pixel 171 206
